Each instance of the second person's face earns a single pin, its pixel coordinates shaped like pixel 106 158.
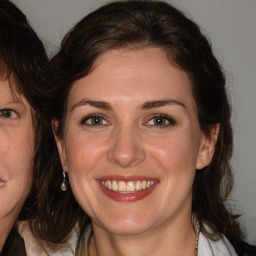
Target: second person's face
pixel 132 142
pixel 16 152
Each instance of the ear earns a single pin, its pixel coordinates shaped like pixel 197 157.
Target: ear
pixel 207 147
pixel 60 144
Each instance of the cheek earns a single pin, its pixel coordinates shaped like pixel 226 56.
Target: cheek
pixel 176 157
pixel 83 155
pixel 19 166
pixel 176 152
pixel 24 147
pixel 83 152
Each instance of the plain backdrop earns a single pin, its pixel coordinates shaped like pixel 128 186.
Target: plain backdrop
pixel 231 26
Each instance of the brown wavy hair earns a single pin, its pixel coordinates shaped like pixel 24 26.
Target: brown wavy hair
pixel 23 63
pixel 141 24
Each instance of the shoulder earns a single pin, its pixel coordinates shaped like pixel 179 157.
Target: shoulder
pixel 220 247
pixel 35 247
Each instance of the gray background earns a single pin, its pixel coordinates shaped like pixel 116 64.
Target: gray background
pixel 230 24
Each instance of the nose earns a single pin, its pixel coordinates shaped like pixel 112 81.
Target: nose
pixel 126 149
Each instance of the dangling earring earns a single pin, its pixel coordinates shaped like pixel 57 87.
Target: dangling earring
pixel 64 183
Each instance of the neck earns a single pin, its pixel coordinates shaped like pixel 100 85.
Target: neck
pixel 173 238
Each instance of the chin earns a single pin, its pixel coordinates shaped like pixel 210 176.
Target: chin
pixel 127 225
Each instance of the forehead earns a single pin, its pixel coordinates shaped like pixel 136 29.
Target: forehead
pixel 10 90
pixel 148 68
pixel 10 80
pixel 119 56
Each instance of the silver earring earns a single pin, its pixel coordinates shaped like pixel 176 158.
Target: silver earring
pixel 64 183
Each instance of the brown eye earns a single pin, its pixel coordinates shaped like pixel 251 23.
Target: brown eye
pixel 161 121
pixel 94 120
pixel 8 114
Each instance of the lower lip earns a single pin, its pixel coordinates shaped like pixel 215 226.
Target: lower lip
pixel 127 197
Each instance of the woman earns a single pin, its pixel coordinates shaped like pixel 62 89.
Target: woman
pixel 22 118
pixel 142 124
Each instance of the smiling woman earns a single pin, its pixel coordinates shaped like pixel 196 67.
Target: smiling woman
pixel 142 124
pixel 130 143
pixel 22 82
pixel 17 142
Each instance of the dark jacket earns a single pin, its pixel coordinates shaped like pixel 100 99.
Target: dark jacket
pixel 14 245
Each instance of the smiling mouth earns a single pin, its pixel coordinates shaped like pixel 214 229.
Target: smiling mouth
pixel 127 186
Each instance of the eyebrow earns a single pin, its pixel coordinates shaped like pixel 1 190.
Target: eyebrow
pixel 147 105
pixel 14 101
pixel 97 104
pixel 161 103
pixel 17 101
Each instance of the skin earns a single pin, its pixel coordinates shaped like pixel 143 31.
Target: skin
pixel 129 142
pixel 16 155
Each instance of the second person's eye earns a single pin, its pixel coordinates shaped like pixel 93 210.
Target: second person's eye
pixel 8 114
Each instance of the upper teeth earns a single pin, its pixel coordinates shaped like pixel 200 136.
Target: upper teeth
pixel 1 183
pixel 129 186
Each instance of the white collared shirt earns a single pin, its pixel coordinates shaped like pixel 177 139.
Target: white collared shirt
pixel 221 247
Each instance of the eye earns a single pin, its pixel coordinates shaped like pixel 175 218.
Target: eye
pixel 8 114
pixel 161 121
pixel 94 120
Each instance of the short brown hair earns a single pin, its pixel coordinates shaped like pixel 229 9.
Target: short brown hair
pixel 23 61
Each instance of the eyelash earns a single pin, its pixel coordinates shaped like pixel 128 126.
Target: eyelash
pixel 7 113
pixel 104 122
pixel 90 118
pixel 170 120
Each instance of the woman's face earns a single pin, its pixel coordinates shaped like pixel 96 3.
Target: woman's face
pixel 16 152
pixel 132 142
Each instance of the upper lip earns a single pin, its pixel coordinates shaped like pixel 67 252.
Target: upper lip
pixel 2 181
pixel 4 176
